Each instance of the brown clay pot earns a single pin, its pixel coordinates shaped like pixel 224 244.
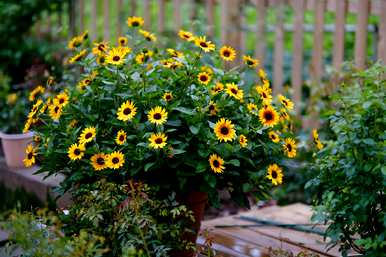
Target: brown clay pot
pixel 14 146
pixel 195 201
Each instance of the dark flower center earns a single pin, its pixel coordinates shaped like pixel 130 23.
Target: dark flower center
pixel 157 116
pixel 203 78
pixel 122 41
pixel 121 138
pixel 148 38
pixel 115 160
pixel 100 161
pixel 158 141
pixel 211 107
pixel 186 36
pixel 30 155
pixel 56 109
pixel 226 53
pixel 135 23
pixel 102 59
pixel 250 62
pixel 224 130
pixel 87 81
pixel 88 135
pixel 274 174
pixel 203 44
pixel 101 48
pixel 168 97
pixel 127 111
pixel 289 147
pixel 268 116
pixel 61 101
pixel 234 91
pixel 76 151
pixel 116 58
pixel 285 102
pixel 216 163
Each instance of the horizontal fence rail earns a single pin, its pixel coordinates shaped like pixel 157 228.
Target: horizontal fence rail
pixel 227 20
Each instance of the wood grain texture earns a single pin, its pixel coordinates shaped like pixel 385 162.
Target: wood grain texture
pixel 340 21
pixel 382 34
pixel 260 34
pixel 161 16
pixel 106 19
pixel 316 69
pixel 210 6
pixel 278 49
pixel 361 33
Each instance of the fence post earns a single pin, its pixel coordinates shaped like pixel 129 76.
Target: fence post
pixel 177 14
pixel 94 31
pixel 340 21
pixel 231 26
pixel 161 16
pixel 297 61
pixel 120 17
pixel 210 4
pixel 72 17
pixel 147 13
pixel 361 33
pixel 317 52
pixel 106 15
pixel 133 7
pixel 382 33
pixel 260 24
pixel 81 16
pixel 278 50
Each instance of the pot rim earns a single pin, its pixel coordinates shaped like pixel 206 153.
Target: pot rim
pixel 16 136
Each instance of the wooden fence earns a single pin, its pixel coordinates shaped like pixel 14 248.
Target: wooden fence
pixel 233 26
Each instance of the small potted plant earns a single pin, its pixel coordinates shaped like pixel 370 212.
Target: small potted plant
pixel 173 118
pixel 14 107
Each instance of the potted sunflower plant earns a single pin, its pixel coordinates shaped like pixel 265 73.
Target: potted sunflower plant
pixel 175 119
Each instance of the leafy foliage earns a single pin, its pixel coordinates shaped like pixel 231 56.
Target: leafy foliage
pixel 351 168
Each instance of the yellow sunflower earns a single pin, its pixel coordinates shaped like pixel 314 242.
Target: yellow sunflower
pixel 55 111
pixel 286 102
pixel 274 136
pixel 115 56
pixel 289 147
pixel 122 41
pixel 212 108
pixel 252 108
pixel 75 42
pixel 127 111
pixel 37 90
pixel 216 163
pixel 248 60
pixel 29 159
pixel 79 56
pixel 268 116
pixel 224 130
pixel 98 161
pixel 186 35
pixel 115 160
pixel 35 108
pixel 100 48
pixel 284 115
pixel 76 151
pixel 135 21
pixel 157 115
pixel 203 78
pixel 147 35
pixel 217 88
pixel 87 135
pixel 262 74
pixel 120 139
pixel 11 99
pixel 174 53
pixel 61 99
pixel 234 91
pixel 265 93
pixel 275 174
pixel 206 46
pixel 168 96
pixel 315 139
pixel 207 69
pixel 227 53
pixel 101 59
pixel 27 125
pixel 157 140
pixel 243 141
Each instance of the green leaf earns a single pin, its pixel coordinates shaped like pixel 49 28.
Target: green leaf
pixel 234 162
pixel 178 151
pixel 185 110
pixel 149 165
pixel 194 129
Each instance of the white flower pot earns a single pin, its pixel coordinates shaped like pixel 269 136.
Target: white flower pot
pixel 14 146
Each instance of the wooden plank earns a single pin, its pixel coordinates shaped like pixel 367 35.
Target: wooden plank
pixel 340 21
pixel 161 16
pixel 120 17
pixel 224 21
pixel 193 10
pixel 94 31
pixel 317 52
pixel 72 17
pixel 210 4
pixel 234 27
pixel 297 61
pixel 177 14
pixel 361 34
pixel 106 19
pixel 133 7
pixel 147 14
pixel 260 24
pixel 353 5
pixel 81 16
pixel 382 34
pixel 278 73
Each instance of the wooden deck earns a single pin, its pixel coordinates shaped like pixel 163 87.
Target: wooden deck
pixel 235 237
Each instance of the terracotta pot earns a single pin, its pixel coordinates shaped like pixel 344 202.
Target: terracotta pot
pixel 196 202
pixel 14 146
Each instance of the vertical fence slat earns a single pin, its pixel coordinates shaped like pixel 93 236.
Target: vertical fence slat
pixel 260 24
pixel 161 16
pixel 94 32
pixel 210 4
pixel 382 33
pixel 106 19
pixel 278 49
pixel 72 17
pixel 340 21
pixel 243 22
pixel 81 15
pixel 224 21
pixel 297 61
pixel 361 33
pixel 177 14
pixel 120 17
pixel 193 9
pixel 147 13
pixel 133 7
pixel 232 30
pixel 317 52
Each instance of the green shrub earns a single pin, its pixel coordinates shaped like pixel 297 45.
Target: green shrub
pixel 351 169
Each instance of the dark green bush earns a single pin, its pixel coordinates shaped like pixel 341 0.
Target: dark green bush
pixel 351 168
